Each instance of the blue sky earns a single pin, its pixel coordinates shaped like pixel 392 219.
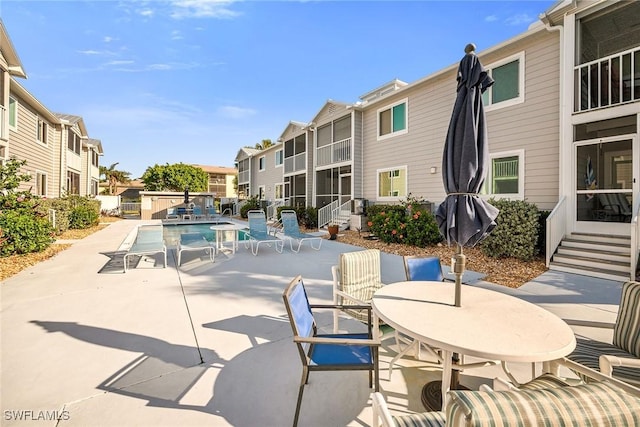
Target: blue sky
pixel 193 81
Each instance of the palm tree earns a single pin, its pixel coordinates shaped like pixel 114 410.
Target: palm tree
pixel 113 177
pixel 266 143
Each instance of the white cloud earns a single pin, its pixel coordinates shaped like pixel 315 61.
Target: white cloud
pixel 147 13
pixel 108 39
pixel 202 9
pixel 176 35
pixel 491 18
pixel 235 112
pixel 90 52
pixel 122 62
pixel 518 19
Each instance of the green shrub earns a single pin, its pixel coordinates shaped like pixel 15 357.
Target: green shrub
pixel 84 212
pixel 251 203
pixel 311 217
pixel 61 206
pixel 516 231
pixel 23 229
pixel 421 229
pixel 542 232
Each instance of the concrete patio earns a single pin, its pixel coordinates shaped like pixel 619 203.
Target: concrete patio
pixel 207 344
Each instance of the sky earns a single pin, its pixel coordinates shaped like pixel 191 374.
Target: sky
pixel 193 81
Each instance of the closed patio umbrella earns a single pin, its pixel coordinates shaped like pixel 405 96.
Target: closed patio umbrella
pixel 464 218
pixel 186 195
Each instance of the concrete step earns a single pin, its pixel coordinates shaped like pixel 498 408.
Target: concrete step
pixel 596 254
pixel 603 238
pixel 587 271
pixel 586 261
pixel 597 246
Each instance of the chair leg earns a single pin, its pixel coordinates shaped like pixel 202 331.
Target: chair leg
pixel 303 381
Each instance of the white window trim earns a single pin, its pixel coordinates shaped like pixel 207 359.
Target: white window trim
pixel 15 127
pixel 40 121
pixel 281 164
pixel 521 167
pixel 262 163
pixel 35 176
pixel 391 198
pixel 521 79
pixel 406 119
pixel 275 192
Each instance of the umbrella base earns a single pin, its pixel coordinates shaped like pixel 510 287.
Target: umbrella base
pixel 432 395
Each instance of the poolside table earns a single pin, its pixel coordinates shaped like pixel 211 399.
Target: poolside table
pixel 220 228
pixel 489 325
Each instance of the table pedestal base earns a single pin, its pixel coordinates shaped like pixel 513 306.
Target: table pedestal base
pixel 432 395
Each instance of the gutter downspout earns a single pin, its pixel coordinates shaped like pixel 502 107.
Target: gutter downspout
pixel 561 122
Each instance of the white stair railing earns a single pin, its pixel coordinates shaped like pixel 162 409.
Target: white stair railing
pixel 556 228
pixel 325 213
pixel 272 209
pixel 635 239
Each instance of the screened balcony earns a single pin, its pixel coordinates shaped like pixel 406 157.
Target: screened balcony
pixel 609 81
pixel 337 152
pixel 295 163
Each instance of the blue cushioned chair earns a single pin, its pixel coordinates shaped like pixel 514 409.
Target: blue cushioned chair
pixel 419 268
pixel 291 229
pixel 327 352
pixel 259 233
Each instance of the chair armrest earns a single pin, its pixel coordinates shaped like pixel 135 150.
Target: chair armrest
pixel 589 323
pixel 608 361
pixel 337 341
pixel 357 307
pixel 349 297
pixel 380 411
pixel 596 375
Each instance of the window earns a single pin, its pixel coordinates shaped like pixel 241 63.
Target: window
pixel 279 158
pixel 508 88
pixel 342 128
pixel 261 193
pixel 505 177
pixel 94 158
pixel 13 113
pixel 392 120
pixel 41 184
pixel 42 131
pixel 94 187
pixel 392 183
pixel 279 191
pixel 73 182
pixel 261 163
pixel 73 142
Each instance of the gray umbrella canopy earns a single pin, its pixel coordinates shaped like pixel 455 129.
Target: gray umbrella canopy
pixel 464 218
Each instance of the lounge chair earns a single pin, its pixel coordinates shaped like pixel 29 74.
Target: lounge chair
pixel 258 233
pixel 291 229
pixel 197 212
pixel 149 241
pixel 327 352
pixel 195 242
pixel 171 214
pixel 212 212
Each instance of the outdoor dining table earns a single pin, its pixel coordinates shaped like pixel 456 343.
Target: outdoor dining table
pixel 220 228
pixel 489 325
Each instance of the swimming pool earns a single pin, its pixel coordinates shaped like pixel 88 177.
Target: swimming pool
pixel 172 232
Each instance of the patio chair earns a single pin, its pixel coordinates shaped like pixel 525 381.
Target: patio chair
pixel 291 229
pixel 171 214
pixel 418 268
pixel 197 212
pixel 194 242
pixel 258 233
pixel 212 212
pixel 149 241
pixel 621 358
pixel 327 352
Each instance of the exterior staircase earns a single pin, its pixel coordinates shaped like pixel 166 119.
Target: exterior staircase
pixel 596 255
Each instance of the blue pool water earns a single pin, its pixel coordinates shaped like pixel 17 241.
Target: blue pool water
pixel 171 232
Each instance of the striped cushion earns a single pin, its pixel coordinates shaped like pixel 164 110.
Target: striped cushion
pixel 425 419
pixel 587 353
pixel 360 277
pixel 595 404
pixel 544 381
pixel 626 334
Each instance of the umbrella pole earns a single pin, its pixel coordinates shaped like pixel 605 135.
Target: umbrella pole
pixel 459 262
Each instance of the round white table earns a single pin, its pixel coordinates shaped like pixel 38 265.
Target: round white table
pixel 489 325
pixel 220 228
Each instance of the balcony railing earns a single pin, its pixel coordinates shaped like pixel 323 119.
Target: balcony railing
pixel 336 152
pixel 243 176
pixel 295 163
pixel 609 81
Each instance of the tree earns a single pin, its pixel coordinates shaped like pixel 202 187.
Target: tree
pixel 175 177
pixel 113 177
pixel 10 176
pixel 266 143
